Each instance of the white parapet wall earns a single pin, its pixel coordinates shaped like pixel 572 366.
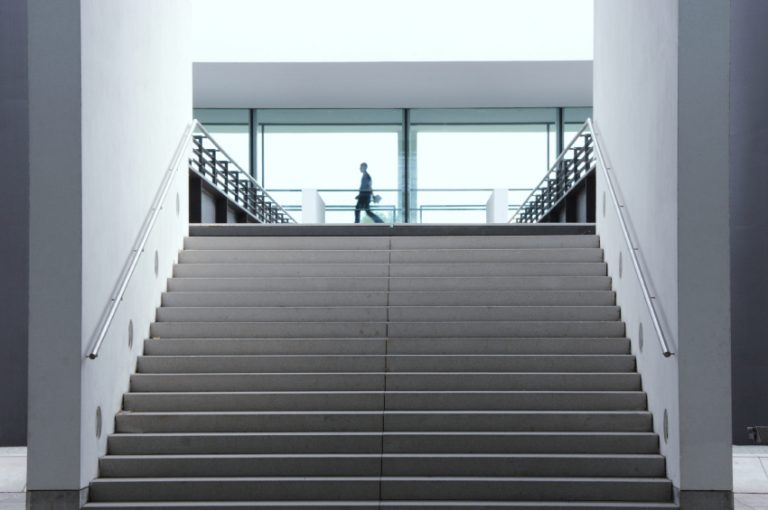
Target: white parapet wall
pixel 497 207
pixel 312 207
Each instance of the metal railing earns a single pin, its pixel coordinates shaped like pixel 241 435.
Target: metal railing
pixel 419 210
pixel 633 246
pixel 572 166
pixel 238 186
pixel 182 150
pixel 217 168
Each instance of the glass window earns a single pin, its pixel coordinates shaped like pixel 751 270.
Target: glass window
pixel 328 158
pixel 456 167
pixel 231 130
pixel 235 140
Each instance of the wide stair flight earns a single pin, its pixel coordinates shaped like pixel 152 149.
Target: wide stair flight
pixel 386 371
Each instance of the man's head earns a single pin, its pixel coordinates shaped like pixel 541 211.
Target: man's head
pixel 363 167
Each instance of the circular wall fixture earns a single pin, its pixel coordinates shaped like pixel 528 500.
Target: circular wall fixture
pixel 666 426
pixel 130 334
pixel 178 204
pixel 98 422
pixel 603 204
pixel 157 263
pixel 640 336
pixel 621 265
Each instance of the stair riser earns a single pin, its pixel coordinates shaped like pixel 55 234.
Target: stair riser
pixel 280 284
pixel 278 270
pixel 258 382
pixel 498 282
pixel 394 382
pixel 286 243
pixel 394 313
pixel 371 401
pixel 506 298
pixel 395 243
pixel 374 465
pixel 401 284
pixel 574 489
pixel 514 381
pixel 525 329
pixel 505 329
pixel 290 298
pixel 368 489
pixel 222 346
pixel 508 346
pixel 268 346
pixel 501 269
pixel 274 314
pixel 410 298
pixel 494 242
pixel 393 421
pixel 360 269
pixel 394 363
pixel 446 442
pixel 261 256
pixel 399 505
pixel 268 330
pixel 395 256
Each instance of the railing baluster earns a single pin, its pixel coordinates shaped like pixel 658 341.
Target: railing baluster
pixel 563 176
pixel 233 182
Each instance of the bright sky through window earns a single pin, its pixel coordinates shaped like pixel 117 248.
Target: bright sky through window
pixel 391 30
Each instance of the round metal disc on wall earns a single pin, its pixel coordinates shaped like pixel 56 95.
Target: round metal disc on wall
pixel 603 204
pixel 621 265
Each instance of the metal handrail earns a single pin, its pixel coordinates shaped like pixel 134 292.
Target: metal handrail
pixel 198 126
pixel 109 314
pixel 633 249
pixel 552 168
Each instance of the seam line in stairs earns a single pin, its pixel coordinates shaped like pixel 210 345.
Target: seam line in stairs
pixel 386 369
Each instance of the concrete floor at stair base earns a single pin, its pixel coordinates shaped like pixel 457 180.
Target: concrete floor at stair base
pixel 750 470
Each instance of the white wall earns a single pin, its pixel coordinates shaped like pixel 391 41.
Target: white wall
pixel 661 108
pixel 128 83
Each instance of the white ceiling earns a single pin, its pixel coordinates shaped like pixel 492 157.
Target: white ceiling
pixel 392 84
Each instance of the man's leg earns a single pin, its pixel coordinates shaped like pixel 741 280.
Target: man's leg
pixel 358 208
pixel 373 215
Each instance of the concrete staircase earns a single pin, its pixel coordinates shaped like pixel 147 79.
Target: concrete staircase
pixel 378 371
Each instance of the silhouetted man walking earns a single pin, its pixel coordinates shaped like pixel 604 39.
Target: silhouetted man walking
pixel 365 195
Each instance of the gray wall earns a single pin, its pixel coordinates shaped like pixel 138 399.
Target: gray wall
pixel 749 214
pixel 14 215
pixel 661 110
